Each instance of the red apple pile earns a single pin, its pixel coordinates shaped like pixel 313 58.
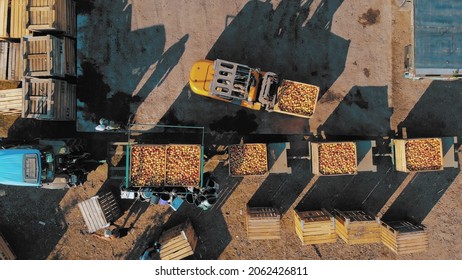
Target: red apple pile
pixel 337 158
pixel 423 154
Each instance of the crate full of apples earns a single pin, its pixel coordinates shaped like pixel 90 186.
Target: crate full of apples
pixel 337 158
pixel 297 98
pixel 424 154
pixel 147 165
pixel 248 159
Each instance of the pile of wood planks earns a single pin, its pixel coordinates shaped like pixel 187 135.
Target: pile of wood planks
pixel 263 223
pixel 403 237
pixel 178 242
pixel 5 250
pixel 315 227
pixel 357 227
pixel 10 61
pixel 11 101
pixel 49 99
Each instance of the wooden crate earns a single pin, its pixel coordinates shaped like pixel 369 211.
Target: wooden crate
pixel 43 56
pixel 49 99
pixel 99 211
pixel 69 56
pixel 315 227
pixel 357 227
pixel 18 19
pixel 14 62
pixel 263 223
pixel 178 242
pixel 403 237
pixel 11 101
pixel 315 158
pixel 4 47
pixel 52 15
pixel 399 146
pixel 3 18
pixel 5 250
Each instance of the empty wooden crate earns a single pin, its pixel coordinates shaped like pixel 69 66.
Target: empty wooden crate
pixel 43 56
pixel 178 242
pixel 263 223
pixel 99 211
pixel 18 19
pixel 418 155
pixel 357 227
pixel 52 15
pixel 49 99
pixel 403 237
pixel 315 227
pixel 3 18
pixel 5 250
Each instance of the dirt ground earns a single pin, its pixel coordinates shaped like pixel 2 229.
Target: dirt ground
pixel 135 56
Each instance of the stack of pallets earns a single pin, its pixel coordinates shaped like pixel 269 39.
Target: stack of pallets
pixel 11 101
pixel 315 227
pixel 178 242
pixel 357 227
pixel 403 237
pixel 263 223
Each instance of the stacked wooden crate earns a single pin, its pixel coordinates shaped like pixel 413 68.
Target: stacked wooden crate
pixel 28 16
pixel 18 19
pixel 357 227
pixel 52 15
pixel 403 237
pixel 11 101
pixel 49 99
pixel 263 223
pixel 178 242
pixel 43 56
pixel 3 18
pixel 315 227
pixel 10 61
pixel 5 250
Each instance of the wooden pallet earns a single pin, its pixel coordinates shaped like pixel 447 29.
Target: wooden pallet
pixel 178 242
pixel 357 227
pixel 315 227
pixel 52 15
pixel 403 237
pixel 6 253
pixel 400 155
pixel 3 18
pixel 18 19
pixel 11 101
pixel 49 99
pixel 43 56
pixel 99 211
pixel 263 223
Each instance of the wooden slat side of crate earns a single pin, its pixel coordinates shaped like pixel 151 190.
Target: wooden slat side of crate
pixel 3 18
pixel 357 227
pixel 405 238
pixel 18 19
pixel 6 253
pixel 11 101
pixel 70 58
pixel 42 15
pixel 14 62
pixel 178 242
pixel 315 158
pixel 263 223
pixel 71 18
pixel 109 206
pixel 4 48
pixel 400 155
pixel 315 227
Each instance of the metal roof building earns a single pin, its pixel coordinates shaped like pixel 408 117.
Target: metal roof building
pixel 437 40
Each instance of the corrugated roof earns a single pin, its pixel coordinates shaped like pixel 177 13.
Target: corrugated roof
pixel 437 36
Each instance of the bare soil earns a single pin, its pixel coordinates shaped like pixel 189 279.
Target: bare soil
pixel 353 50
